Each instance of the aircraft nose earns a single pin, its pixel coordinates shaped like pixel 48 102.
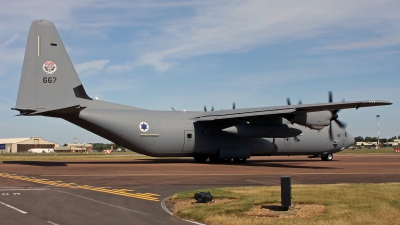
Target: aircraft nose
pixel 349 140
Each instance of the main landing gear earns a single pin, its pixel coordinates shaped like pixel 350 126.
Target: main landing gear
pixel 324 157
pixel 215 159
pixel 200 158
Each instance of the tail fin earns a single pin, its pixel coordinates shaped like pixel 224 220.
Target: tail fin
pixel 48 80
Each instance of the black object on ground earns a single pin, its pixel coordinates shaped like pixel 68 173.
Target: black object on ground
pixel 203 197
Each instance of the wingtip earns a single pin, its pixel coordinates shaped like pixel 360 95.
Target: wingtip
pixel 380 102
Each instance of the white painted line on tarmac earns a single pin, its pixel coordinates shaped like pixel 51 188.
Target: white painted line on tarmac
pixel 171 213
pixel 27 189
pixel 198 223
pixel 256 182
pixel 165 208
pixel 104 203
pixel 52 223
pixel 12 207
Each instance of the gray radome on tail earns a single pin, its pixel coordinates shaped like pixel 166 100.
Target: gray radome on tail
pixel 48 79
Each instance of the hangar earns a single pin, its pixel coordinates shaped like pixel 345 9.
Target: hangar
pixel 22 145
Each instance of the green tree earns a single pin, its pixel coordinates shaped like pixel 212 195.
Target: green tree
pixel 371 139
pixel 359 139
pixel 392 139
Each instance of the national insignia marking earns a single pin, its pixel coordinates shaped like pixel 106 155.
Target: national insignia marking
pixel 143 126
pixel 49 67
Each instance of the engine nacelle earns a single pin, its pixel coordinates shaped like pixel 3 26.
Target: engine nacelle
pixel 313 120
pixel 263 130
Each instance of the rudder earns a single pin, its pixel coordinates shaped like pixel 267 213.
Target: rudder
pixel 48 78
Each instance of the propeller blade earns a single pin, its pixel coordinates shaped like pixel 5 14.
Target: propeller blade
pixel 336 111
pixel 205 109
pixel 288 101
pixel 330 131
pixel 330 96
pixel 233 105
pixel 341 124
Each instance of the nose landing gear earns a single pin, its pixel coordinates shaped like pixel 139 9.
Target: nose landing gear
pixel 327 157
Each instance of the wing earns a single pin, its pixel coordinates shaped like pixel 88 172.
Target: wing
pixel 284 110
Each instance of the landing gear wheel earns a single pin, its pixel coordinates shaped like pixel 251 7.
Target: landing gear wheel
pixel 327 157
pixel 227 160
pixel 200 158
pixel 239 160
pixel 214 159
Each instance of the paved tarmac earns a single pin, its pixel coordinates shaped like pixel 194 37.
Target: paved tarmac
pixel 130 192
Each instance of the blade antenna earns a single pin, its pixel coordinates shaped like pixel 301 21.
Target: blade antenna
pixel 233 105
pixel 288 101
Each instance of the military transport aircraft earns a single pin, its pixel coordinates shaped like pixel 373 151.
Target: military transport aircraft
pixel 50 87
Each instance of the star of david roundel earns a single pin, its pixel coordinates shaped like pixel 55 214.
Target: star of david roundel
pixel 143 126
pixel 49 67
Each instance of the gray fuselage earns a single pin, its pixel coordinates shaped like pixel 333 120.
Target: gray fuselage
pixel 173 133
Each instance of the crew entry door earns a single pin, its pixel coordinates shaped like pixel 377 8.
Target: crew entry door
pixel 189 141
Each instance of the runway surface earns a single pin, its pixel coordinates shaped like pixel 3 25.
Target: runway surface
pixel 130 192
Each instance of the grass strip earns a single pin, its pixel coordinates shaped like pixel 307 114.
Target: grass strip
pixel 343 204
pixel 368 151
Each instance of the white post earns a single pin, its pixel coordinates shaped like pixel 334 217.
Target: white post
pixel 377 118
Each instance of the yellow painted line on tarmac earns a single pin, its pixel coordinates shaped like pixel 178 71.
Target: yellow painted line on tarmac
pixel 116 191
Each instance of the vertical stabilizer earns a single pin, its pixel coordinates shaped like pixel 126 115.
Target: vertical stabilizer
pixel 48 78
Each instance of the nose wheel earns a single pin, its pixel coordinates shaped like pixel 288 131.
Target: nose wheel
pixel 327 157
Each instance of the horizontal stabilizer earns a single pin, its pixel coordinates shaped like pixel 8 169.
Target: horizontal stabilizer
pixel 66 110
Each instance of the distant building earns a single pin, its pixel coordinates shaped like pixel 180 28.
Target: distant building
pixel 22 145
pixel 81 147
pixel 366 144
pixel 395 143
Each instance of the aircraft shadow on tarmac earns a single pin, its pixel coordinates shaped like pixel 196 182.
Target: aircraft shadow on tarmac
pixel 254 163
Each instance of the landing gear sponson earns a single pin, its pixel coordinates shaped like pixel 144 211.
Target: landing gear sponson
pixel 215 159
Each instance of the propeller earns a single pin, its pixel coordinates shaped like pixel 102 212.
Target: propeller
pixel 205 108
pixel 288 101
pixel 335 117
pixel 233 105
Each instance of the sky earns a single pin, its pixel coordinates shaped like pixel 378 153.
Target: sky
pixel 190 54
